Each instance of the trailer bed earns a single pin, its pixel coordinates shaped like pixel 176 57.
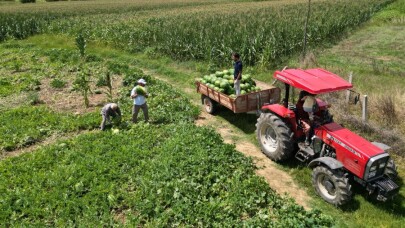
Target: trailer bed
pixel 243 103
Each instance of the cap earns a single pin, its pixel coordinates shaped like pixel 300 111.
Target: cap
pixel 142 81
pixel 114 106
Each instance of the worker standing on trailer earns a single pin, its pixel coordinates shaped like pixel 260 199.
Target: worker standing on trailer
pixel 237 74
pixel 109 110
pixel 139 95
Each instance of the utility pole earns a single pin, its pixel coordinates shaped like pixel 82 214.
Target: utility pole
pixel 304 50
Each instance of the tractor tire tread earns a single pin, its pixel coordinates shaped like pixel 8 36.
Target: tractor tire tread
pixel 342 185
pixel 283 134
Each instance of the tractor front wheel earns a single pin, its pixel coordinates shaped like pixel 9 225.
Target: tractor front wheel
pixel 331 185
pixel 274 137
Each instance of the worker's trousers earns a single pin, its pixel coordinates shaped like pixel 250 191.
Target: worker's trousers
pixel 135 112
pixel 237 87
pixel 104 121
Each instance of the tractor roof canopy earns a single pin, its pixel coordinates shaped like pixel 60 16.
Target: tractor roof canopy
pixel 314 81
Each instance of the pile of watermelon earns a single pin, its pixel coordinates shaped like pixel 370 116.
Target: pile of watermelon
pixel 222 81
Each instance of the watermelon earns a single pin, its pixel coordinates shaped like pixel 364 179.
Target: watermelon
pixel 224 85
pixel 219 74
pixel 242 92
pixel 140 90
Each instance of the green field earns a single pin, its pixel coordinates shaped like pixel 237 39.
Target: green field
pixel 170 172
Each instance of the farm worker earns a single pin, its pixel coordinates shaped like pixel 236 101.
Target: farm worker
pixel 109 110
pixel 237 74
pixel 307 103
pixel 139 95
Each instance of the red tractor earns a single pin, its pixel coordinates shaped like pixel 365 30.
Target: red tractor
pixel 337 156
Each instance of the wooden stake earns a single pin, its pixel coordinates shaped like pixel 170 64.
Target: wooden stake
pixel 365 111
pixel 348 91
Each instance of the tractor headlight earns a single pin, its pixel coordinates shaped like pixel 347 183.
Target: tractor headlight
pixel 372 174
pixel 375 166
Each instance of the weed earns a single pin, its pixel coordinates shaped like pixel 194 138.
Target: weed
pixel 58 83
pixel 82 84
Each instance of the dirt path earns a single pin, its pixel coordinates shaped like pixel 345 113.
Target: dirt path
pixel 278 180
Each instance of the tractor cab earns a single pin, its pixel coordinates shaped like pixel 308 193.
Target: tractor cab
pixel 336 154
pixel 311 82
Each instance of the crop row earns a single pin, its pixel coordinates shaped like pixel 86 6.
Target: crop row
pixel 265 35
pixel 27 125
pixel 182 176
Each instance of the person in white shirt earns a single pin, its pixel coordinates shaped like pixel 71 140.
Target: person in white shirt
pixel 139 95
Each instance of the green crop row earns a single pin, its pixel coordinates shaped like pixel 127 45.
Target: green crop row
pixel 20 21
pixel 27 125
pixel 150 175
pixel 262 36
pixel 264 33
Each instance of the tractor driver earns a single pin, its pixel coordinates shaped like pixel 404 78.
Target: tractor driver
pixel 306 107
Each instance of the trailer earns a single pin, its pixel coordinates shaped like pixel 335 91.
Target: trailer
pixel 250 102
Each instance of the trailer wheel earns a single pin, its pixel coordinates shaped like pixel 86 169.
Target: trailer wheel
pixel 210 106
pixel 391 170
pixel 274 137
pixel 331 185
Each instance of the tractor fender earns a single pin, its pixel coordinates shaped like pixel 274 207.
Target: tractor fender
pixel 329 162
pixel 279 110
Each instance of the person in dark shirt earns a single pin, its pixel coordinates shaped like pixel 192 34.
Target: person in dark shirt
pixel 237 74
pixel 109 110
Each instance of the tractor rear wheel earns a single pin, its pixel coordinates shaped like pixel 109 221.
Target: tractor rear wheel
pixel 331 185
pixel 210 106
pixel 274 137
pixel 391 170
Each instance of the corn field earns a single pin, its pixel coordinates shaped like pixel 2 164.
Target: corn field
pixel 265 33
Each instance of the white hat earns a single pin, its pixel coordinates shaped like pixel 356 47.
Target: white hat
pixel 142 81
pixel 114 106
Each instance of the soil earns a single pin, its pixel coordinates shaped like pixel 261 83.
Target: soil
pixel 66 100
